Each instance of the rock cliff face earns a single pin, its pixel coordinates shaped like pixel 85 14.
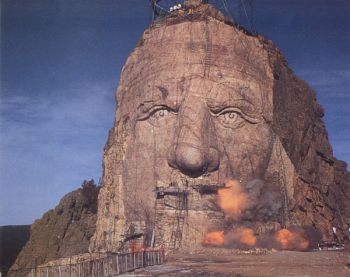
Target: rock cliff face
pixel 200 102
pixel 63 231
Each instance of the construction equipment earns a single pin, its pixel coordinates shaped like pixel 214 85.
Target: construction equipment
pixel 161 8
pixel 172 199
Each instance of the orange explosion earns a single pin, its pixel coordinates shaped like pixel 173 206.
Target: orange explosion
pixel 216 238
pixel 232 199
pixel 290 240
pixel 246 236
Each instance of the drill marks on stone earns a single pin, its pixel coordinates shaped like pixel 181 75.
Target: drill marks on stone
pixel 208 51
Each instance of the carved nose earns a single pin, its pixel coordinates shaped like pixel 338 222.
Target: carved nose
pixel 194 150
pixel 190 160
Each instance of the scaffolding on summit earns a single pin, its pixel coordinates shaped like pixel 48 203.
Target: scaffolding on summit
pixel 239 12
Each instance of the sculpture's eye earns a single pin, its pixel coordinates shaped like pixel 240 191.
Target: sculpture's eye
pixel 158 115
pixel 232 117
pixel 161 117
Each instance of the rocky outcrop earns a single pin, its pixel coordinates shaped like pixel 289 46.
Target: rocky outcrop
pixel 320 180
pixel 63 231
pixel 342 191
pixel 201 101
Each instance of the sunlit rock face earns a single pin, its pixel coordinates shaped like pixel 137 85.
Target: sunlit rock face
pixel 199 103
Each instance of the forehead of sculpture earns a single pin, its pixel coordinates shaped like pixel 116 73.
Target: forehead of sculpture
pixel 210 60
pixel 211 43
pixel 177 91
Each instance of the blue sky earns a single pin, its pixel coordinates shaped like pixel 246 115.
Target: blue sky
pixel 60 65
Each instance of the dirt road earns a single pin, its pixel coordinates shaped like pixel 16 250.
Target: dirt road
pixel 281 263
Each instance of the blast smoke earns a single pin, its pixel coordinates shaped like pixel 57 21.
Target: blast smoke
pixel 241 236
pixel 215 238
pixel 291 239
pixel 232 200
pixel 254 203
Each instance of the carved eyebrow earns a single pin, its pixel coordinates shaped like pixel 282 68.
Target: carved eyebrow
pixel 158 95
pixel 164 91
pixel 147 105
pixel 226 94
pixel 217 104
pixel 146 114
pixel 150 94
pixel 241 91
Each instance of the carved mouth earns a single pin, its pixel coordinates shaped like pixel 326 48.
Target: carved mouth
pixel 202 188
pixel 210 188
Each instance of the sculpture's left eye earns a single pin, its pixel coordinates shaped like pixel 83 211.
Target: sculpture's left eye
pixel 232 117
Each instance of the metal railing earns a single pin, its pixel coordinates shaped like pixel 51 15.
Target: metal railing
pixel 111 265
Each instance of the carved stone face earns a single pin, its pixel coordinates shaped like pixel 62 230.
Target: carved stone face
pixel 196 102
pixel 195 111
pixel 199 125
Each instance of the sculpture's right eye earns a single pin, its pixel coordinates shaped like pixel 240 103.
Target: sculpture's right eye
pixel 158 115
